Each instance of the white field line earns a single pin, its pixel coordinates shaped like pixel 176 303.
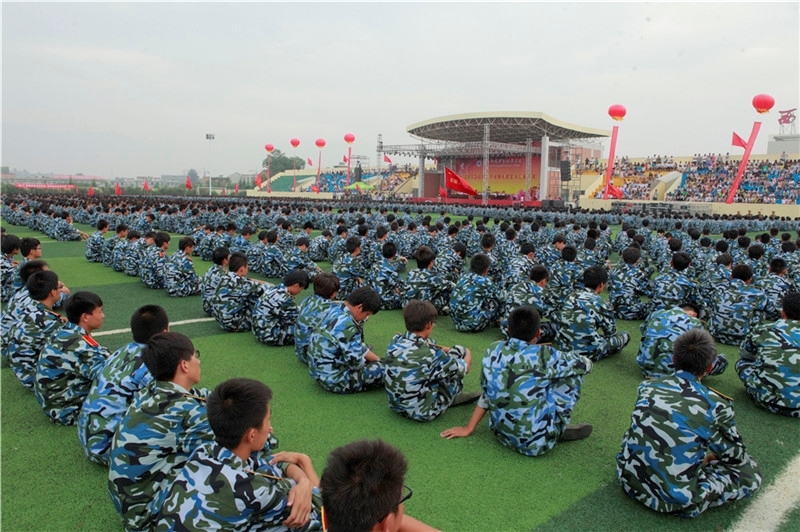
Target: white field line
pixel 772 504
pixel 171 325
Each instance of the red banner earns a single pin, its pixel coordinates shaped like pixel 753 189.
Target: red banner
pixel 44 185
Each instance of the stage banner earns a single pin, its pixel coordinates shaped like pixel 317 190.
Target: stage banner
pixel 506 174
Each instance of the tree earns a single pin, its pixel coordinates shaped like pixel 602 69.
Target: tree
pixel 279 162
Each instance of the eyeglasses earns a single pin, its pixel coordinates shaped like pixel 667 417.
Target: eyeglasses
pixel 197 353
pixel 407 493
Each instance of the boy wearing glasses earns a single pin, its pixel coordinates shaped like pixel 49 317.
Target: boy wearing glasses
pixel 231 483
pixel 362 489
pixel 423 379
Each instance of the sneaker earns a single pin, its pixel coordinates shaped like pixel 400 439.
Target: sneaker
pixel 576 432
pixel 445 311
pixel 465 398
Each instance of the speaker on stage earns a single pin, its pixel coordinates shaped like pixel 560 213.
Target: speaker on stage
pixel 566 174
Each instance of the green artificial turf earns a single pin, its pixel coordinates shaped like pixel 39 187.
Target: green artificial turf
pixel 471 484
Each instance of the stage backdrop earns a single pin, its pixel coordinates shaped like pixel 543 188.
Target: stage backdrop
pixel 506 175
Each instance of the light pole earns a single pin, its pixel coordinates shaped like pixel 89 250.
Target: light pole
pixel 209 136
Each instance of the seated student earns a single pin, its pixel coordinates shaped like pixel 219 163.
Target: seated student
pixel 230 483
pixel 628 282
pixel 363 489
pixel 275 312
pixel 298 258
pixel 565 276
pixel 242 240
pixel 212 241
pixel 425 284
pixel 312 309
pixel 737 308
pixel 94 244
pixel 775 286
pixel 71 360
pixel 180 278
pixel 318 247
pixel 450 264
pixel 235 296
pixel 272 261
pixel 154 262
pixel 715 278
pixel 35 327
pixel 423 379
pixel 518 268
pixel 672 287
pixel 532 293
pixel 586 323
pixel 109 245
pixel 255 253
pixel 682 453
pixel 348 269
pixel 475 301
pixel 386 281
pixel 136 252
pixel 769 366
pixel 10 245
pixel 338 359
pixel 163 426
pixel 659 332
pixel 116 386
pixel 213 276
pixel 529 390
pixel 123 249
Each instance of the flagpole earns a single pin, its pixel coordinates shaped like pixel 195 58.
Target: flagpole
pixel 743 163
pixel 349 157
pixel 610 166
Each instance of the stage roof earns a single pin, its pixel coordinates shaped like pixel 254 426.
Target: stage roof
pixel 510 127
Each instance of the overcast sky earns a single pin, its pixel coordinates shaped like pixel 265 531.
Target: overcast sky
pixel 131 89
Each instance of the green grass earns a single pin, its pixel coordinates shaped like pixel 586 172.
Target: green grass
pixel 466 484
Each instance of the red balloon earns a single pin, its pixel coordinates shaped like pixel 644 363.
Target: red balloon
pixel 320 143
pixel 269 148
pixel 349 138
pixel 294 142
pixel 763 103
pixel 617 112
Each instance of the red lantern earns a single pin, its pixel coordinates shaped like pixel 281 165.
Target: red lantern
pixel 269 148
pixel 294 142
pixel 349 138
pixel 320 143
pixel 763 103
pixel 617 112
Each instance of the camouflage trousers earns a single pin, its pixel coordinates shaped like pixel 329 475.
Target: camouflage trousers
pixel 611 346
pixel 745 368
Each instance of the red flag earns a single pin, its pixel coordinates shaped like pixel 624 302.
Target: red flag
pixel 269 187
pixel 442 193
pixel 258 180
pixel 91 191
pixel 454 181
pixel 146 187
pixel 236 189
pixel 224 191
pixel 614 191
pixel 358 188
pixel 738 141
pixel 188 183
pixel 344 158
pixel 308 160
pixel 117 190
pixel 386 159
pixel 315 188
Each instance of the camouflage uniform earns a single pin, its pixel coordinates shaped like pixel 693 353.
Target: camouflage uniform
pixel 736 310
pixel 518 270
pixel 121 252
pixel 65 371
pixel 449 265
pixel 27 339
pixel 311 310
pixel 153 267
pixel 217 490
pixel 13 312
pixel 626 285
pixel 8 272
pixel 180 279
pixel 272 262
pixel 349 271
pixel 659 333
pixel 136 253
pixel 769 367
pixel 774 287
pixel 565 277
pixel 208 285
pixel 274 316
pixel 233 302
pixel 426 285
pixel 422 380
pixel 318 248
pixel 162 427
pixel 255 256
pixel 109 246
pixel 673 288
pixel 475 302
pixel 64 231
pixel 530 293
pixel 384 279
pixel 587 327
pixel 336 354
pixel 94 247
pixel 114 389
pixel 676 423
pixel 530 391
pixel 297 259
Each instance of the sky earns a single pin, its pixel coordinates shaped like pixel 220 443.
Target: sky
pixel 131 89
